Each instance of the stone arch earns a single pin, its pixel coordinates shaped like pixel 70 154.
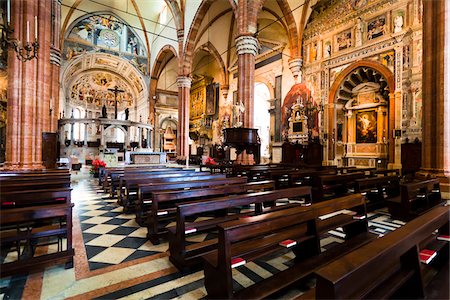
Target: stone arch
pixel 186 64
pixel 387 75
pixel 70 26
pixel 176 13
pixel 291 28
pixel 94 62
pixel 166 54
pixel 209 47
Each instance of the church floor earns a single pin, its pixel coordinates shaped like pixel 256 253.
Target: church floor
pixel 114 260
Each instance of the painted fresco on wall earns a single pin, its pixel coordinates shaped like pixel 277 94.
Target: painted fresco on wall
pixel 93 90
pixel 107 31
pixel 388 59
pixel 376 27
pixel 343 40
pixel 366 127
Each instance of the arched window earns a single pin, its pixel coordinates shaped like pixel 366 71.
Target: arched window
pixel 78 128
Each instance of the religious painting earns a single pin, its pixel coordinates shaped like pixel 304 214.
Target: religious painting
pixel 366 127
pixel 343 40
pixel 358 4
pixel 327 49
pixel 376 27
pixel 388 59
pixel 211 99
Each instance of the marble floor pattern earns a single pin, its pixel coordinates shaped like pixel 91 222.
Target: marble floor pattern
pixel 114 260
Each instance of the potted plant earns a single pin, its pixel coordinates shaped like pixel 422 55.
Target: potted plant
pixel 96 164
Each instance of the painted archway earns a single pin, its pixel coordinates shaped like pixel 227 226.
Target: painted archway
pixel 355 74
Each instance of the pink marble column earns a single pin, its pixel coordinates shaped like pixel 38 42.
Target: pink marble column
pixel 436 124
pixel 184 94
pixel 29 86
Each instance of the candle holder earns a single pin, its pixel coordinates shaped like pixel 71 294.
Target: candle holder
pixel 24 52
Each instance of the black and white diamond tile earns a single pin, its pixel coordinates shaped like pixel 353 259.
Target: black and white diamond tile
pixel 110 236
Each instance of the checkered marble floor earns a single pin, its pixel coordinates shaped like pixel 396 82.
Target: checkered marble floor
pixel 110 236
pixel 122 263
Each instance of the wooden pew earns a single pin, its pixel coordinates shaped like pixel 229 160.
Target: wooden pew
pixel 29 215
pixel 128 193
pixel 163 205
pixel 386 268
pixel 117 175
pixel 259 236
pixel 415 198
pixel 184 256
pixel 378 190
pixel 144 200
pixel 128 182
pixel 388 172
pixel 331 186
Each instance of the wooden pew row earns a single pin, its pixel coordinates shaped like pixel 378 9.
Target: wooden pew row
pixel 415 198
pixel 114 182
pixel 128 185
pixel 105 171
pixel 144 200
pixel 29 215
pixel 251 238
pixel 184 256
pixel 111 175
pixel 378 190
pixel 163 205
pixel 332 186
pixel 386 268
pixel 388 172
pixel 40 183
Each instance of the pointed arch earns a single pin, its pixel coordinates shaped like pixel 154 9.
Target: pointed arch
pixel 209 47
pixel 291 27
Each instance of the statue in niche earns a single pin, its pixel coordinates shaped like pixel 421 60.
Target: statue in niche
pixel 359 28
pixel 104 114
pixel 127 112
pixel 398 23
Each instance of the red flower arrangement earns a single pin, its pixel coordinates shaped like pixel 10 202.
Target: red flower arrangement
pixel 210 161
pixel 96 164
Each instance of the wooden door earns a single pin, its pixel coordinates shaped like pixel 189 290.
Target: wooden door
pixel 49 149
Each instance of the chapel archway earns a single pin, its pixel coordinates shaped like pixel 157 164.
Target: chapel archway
pixel 361 116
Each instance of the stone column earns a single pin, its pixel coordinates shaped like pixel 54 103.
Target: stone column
pixel 436 85
pixel 184 94
pixel 247 49
pixel 55 63
pixel 85 134
pixel 72 125
pixel 396 161
pixel 29 86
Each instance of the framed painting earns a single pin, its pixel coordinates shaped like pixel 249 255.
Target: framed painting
pixel 376 27
pixel 343 40
pixel 366 127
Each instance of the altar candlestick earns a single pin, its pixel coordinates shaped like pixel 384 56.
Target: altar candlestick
pixel 28 31
pixel 35 28
pixel 8 11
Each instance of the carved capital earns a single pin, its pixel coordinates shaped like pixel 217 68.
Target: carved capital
pixel 295 65
pixel 184 82
pixel 247 44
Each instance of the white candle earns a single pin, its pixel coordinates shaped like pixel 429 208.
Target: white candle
pixel 28 31
pixel 35 27
pixel 8 11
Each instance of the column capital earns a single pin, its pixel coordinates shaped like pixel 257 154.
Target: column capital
pixel 247 44
pixel 295 65
pixel 184 82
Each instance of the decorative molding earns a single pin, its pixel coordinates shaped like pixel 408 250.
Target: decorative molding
pixel 247 45
pixel 328 22
pixel 361 53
